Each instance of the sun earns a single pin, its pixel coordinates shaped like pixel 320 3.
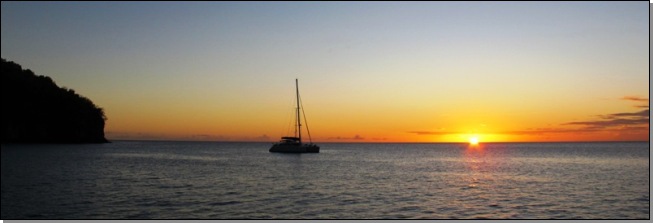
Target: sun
pixel 473 140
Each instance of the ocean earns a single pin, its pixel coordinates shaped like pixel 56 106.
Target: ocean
pixel 212 180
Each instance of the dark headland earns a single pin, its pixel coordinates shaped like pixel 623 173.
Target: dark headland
pixel 36 110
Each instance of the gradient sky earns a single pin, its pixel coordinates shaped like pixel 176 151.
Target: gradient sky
pixel 368 71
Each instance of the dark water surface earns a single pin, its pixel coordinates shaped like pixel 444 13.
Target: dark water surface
pixel 205 180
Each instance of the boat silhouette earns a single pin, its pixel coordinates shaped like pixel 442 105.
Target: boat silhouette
pixel 293 144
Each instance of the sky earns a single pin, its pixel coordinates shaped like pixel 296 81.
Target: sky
pixel 368 71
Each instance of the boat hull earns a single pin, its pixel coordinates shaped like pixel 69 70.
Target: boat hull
pixel 294 148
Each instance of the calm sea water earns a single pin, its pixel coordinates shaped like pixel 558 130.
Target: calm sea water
pixel 203 180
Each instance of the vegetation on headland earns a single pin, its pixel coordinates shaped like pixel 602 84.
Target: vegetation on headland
pixel 36 110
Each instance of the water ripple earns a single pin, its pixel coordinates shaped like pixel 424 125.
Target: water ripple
pixel 150 180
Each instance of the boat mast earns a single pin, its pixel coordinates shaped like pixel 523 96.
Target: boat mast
pixel 299 122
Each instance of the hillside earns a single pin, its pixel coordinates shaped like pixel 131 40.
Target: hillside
pixel 36 110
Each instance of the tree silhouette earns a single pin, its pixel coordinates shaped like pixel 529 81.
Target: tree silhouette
pixel 36 110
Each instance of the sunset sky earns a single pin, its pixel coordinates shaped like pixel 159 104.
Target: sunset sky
pixel 368 71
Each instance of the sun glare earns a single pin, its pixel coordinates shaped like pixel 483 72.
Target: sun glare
pixel 473 140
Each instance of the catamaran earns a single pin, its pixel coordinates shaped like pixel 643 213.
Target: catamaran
pixel 293 144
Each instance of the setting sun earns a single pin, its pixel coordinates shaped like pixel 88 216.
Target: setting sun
pixel 473 140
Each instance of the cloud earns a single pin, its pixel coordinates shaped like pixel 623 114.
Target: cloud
pixel 616 119
pixel 541 131
pixel 635 128
pixel 620 122
pixel 610 123
pixel 635 98
pixel 356 137
pixel 642 113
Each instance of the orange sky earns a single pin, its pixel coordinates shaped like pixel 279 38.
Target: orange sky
pixel 628 122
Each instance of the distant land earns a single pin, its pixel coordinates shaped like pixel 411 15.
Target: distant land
pixel 36 110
